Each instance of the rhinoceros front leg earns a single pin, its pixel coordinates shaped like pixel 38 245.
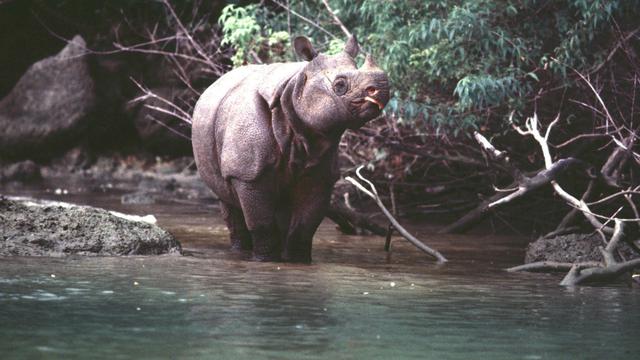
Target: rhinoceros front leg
pixel 257 203
pixel 309 202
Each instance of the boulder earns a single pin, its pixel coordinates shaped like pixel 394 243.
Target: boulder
pixel 49 106
pixel 570 248
pixel 31 227
pixel 24 171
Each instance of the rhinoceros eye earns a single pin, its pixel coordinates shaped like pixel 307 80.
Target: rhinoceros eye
pixel 340 86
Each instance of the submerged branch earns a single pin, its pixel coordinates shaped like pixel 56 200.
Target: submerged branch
pixel 548 266
pixel 579 275
pixel 350 221
pixel 373 193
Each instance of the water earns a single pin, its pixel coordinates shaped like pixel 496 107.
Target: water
pixel 352 303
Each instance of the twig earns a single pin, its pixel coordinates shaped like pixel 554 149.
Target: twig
pixel 619 193
pixel 194 43
pixel 373 193
pixel 305 19
pixel 177 111
pixel 336 19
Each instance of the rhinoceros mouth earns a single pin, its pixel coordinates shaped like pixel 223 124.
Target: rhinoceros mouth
pixel 366 103
pixel 375 101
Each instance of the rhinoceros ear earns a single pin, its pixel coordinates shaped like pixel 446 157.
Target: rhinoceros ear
pixel 304 49
pixel 351 47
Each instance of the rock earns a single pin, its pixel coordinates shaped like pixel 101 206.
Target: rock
pixel 158 131
pixel 24 171
pixel 138 198
pixel 570 248
pixel 31 227
pixel 49 106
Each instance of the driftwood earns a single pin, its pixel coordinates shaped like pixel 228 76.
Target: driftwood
pixel 373 193
pixel 582 272
pixel 549 266
pixel 350 222
pixel 522 185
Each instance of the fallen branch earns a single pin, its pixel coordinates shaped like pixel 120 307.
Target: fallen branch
pixel 349 221
pixel 548 266
pixel 579 275
pixel 522 185
pixel 373 193
pixel 472 217
pixel 532 128
pixel 583 272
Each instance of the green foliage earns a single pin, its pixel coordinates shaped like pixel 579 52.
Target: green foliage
pixel 252 40
pixel 455 64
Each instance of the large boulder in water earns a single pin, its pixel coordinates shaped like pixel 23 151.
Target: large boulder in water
pixel 49 106
pixel 44 228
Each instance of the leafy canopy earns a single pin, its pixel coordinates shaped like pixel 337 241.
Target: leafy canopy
pixel 453 63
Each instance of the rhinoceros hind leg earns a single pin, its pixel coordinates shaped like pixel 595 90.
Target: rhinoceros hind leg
pixel 238 232
pixel 257 202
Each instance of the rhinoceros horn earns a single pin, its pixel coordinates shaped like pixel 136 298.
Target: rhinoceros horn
pixel 370 64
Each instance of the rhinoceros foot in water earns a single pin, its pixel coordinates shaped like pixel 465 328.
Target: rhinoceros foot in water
pixel 265 140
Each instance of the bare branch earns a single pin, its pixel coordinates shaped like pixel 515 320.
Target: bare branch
pixel 305 19
pixel 178 112
pixel 607 253
pixel 488 147
pixel 336 19
pixel 612 196
pixel 373 193
pixel 548 266
pixel 187 33
pixel 594 274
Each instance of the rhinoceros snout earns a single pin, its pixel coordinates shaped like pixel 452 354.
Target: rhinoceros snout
pixel 377 92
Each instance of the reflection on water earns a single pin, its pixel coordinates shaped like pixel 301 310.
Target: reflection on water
pixel 350 304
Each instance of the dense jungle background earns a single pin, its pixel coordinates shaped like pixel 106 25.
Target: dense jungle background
pixel 506 116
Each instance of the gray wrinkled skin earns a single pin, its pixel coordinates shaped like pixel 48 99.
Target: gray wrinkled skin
pixel 265 140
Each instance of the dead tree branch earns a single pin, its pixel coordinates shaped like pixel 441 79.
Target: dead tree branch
pixel 373 193
pixel 522 185
pixel 350 221
pixel 548 266
pixel 305 19
pixel 583 272
pixel 336 19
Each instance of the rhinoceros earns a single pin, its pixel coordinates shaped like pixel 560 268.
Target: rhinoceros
pixel 265 140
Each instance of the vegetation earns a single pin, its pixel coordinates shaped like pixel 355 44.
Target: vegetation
pixel 454 64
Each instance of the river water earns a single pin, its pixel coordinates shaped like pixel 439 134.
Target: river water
pixel 353 302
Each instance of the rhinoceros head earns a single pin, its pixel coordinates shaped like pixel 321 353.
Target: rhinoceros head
pixel 332 93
